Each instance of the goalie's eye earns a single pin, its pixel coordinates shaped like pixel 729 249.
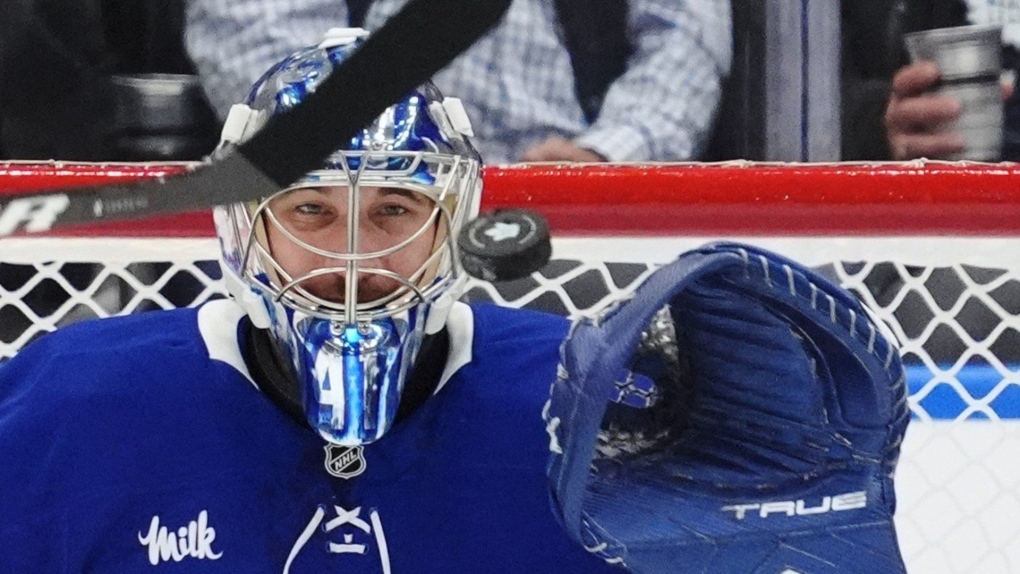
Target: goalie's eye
pixel 393 210
pixel 306 210
pixel 310 209
pixel 308 216
pixel 397 213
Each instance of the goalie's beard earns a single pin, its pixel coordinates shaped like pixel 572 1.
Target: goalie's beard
pixel 332 287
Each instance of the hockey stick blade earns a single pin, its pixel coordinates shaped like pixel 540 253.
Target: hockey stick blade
pixel 409 49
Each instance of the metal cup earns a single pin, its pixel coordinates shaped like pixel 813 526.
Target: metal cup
pixel 162 117
pixel 970 59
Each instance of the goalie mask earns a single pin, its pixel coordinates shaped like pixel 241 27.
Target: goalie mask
pixel 350 267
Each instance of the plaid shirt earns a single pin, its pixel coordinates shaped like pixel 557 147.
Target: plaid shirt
pixel 1005 13
pixel 517 82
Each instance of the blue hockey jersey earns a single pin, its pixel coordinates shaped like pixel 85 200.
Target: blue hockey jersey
pixel 141 444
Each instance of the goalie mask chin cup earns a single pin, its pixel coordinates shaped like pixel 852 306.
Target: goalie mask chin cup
pixel 352 356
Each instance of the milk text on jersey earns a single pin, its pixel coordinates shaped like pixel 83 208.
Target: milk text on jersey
pixel 191 541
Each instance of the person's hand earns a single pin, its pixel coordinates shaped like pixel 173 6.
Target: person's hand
pixel 914 115
pixel 559 149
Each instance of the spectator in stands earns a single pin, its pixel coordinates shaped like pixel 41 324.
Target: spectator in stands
pixel 661 61
pixel 887 113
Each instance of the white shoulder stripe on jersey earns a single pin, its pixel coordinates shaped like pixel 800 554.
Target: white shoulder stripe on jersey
pixel 460 324
pixel 217 322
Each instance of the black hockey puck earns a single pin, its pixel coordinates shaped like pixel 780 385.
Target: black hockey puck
pixel 505 245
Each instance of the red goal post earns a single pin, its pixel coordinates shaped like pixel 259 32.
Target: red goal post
pixel 933 248
pixel 746 198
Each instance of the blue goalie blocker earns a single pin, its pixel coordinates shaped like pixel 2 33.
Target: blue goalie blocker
pixel 764 443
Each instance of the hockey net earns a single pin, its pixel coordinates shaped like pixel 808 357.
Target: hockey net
pixel 932 248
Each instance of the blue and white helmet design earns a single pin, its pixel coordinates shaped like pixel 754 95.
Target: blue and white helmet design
pixel 351 324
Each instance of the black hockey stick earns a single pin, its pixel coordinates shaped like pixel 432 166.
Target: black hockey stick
pixel 413 45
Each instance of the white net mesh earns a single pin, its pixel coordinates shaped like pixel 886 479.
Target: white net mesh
pixel 46 283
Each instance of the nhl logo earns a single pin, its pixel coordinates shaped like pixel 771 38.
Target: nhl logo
pixel 344 461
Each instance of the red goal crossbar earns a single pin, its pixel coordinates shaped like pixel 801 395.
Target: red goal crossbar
pixel 880 199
